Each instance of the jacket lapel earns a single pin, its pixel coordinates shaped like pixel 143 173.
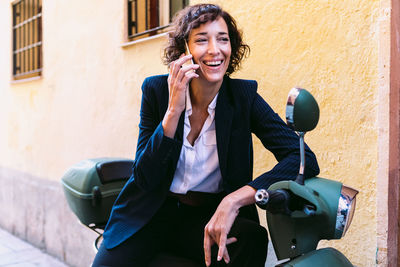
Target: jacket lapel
pixel 223 122
pixel 179 128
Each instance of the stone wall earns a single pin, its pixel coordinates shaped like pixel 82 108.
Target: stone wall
pixel 36 210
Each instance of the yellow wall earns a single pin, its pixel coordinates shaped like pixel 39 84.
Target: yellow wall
pixel 87 102
pixel 331 49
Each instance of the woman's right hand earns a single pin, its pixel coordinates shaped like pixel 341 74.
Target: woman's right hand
pixel 180 75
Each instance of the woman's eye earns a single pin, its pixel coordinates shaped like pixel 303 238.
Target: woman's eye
pixel 201 40
pixel 224 39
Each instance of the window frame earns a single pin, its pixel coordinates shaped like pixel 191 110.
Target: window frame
pixel 26 39
pixel 158 25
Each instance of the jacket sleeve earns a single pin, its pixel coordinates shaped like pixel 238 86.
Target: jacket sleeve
pixel 283 142
pixel 155 152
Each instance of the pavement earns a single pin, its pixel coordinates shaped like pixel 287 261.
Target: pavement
pixel 15 252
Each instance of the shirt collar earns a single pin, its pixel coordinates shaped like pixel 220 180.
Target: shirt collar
pixel 213 103
pixel 188 103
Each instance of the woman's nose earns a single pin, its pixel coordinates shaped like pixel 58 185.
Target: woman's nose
pixel 213 47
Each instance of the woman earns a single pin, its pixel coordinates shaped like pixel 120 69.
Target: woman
pixel 191 193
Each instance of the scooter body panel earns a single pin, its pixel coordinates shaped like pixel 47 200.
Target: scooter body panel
pixel 299 233
pixel 326 257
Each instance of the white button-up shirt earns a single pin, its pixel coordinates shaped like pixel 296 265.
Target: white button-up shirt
pixel 198 165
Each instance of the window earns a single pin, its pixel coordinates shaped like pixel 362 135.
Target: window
pixel 27 38
pixel 150 17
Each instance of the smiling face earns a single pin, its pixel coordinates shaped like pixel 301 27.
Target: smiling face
pixel 211 49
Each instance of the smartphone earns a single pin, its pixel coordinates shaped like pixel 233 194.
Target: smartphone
pixel 187 52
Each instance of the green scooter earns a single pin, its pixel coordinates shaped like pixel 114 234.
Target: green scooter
pixel 300 213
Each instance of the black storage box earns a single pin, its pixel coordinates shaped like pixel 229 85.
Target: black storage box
pixel 91 187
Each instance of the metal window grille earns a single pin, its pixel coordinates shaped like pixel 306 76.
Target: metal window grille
pixel 27 38
pixel 144 16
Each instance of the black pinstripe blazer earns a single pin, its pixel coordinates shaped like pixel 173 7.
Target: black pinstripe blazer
pixel 240 111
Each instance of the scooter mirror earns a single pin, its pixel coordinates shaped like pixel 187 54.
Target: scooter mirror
pixel 302 111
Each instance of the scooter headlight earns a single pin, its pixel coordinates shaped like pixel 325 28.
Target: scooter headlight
pixel 345 211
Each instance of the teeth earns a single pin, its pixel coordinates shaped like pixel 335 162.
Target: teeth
pixel 213 63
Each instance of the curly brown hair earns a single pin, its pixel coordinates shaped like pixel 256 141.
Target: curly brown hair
pixel 191 18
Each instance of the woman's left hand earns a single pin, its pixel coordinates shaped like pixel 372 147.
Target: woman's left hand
pixel 217 229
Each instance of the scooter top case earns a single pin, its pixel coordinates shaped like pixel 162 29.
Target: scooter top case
pixel 91 187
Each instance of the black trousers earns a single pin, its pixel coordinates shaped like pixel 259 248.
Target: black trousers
pixel 174 237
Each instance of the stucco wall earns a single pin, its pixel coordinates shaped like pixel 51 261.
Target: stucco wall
pixel 330 48
pixel 87 102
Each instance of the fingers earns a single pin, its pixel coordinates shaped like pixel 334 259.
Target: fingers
pixel 226 256
pixel 178 82
pixel 188 76
pixel 231 240
pixel 182 71
pixel 207 248
pixel 179 75
pixel 182 59
pixel 210 237
pixel 217 229
pixel 179 62
pixel 176 66
pixel 222 251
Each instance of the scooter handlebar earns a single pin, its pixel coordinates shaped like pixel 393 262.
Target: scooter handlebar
pixel 274 201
